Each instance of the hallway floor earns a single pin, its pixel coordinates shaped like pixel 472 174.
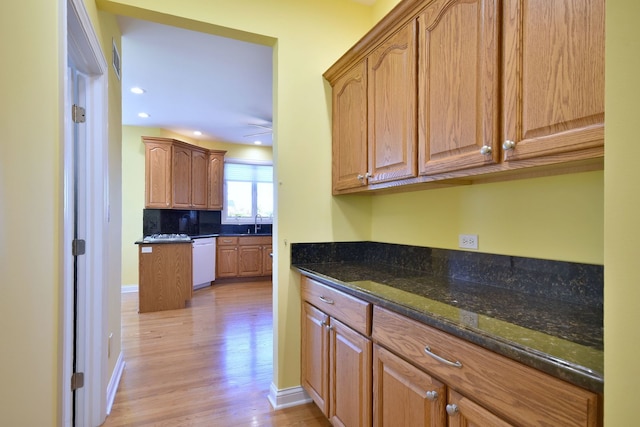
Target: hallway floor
pixel 207 365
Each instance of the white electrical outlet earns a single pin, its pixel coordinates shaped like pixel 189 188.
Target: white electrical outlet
pixel 468 241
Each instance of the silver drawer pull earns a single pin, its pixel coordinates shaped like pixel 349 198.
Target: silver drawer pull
pixel 455 364
pixel 325 299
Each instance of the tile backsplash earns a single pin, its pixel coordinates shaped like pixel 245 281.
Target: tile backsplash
pixel 193 223
pixel 569 281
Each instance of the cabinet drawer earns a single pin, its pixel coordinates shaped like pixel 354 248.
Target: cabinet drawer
pixel 514 391
pixel 227 241
pixel 254 240
pixel 346 308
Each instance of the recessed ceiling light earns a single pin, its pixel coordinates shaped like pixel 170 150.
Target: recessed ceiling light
pixel 137 90
pixel 144 115
pixel 257 142
pixel 197 133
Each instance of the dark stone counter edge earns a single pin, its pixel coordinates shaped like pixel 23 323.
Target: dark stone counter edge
pixel 536 359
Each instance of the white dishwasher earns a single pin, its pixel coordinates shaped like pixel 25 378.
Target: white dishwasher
pixel 204 261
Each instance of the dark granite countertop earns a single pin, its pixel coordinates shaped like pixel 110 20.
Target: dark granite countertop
pixel 558 337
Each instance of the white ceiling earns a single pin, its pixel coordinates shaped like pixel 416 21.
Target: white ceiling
pixel 196 81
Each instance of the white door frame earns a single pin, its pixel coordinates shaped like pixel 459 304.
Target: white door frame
pixel 80 44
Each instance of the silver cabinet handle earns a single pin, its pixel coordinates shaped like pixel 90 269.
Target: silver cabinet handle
pixel 326 325
pixel 432 395
pixel 326 300
pixel 485 150
pixel 452 409
pixel 360 176
pixel 368 175
pixel 508 145
pixel 455 364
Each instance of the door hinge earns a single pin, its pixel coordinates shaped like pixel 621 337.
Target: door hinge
pixel 78 247
pixel 77 380
pixel 78 114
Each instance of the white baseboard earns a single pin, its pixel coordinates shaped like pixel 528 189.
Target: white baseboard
pixel 112 388
pixel 129 288
pixel 287 397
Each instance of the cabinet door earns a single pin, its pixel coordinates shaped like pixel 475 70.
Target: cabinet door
pixel 199 178
pixel 392 107
pixel 181 177
pixel 158 175
pixel 216 174
pixel 404 395
pixel 227 261
pixel 466 413
pixel 249 261
pixel 553 78
pixel 267 260
pixel 350 129
pixel 314 355
pixel 458 88
pixel 349 377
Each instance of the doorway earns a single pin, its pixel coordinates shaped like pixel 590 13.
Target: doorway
pixel 84 218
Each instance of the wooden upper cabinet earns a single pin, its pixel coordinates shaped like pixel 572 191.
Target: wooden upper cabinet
pixel 199 179
pixel 459 89
pixel 553 78
pixel 458 85
pixel 350 129
pixel 181 177
pixel 157 175
pixel 216 180
pixel 392 107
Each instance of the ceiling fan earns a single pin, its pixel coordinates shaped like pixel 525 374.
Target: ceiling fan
pixel 265 129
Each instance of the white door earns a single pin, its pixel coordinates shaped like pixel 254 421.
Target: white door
pixel 77 85
pixel 85 215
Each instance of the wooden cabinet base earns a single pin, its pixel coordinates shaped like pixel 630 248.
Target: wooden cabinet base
pixel 165 276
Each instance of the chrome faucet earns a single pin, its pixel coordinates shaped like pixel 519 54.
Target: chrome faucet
pixel 257 226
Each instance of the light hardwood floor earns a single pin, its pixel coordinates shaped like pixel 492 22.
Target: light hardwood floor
pixel 207 365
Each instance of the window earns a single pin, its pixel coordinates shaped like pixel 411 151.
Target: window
pixel 248 191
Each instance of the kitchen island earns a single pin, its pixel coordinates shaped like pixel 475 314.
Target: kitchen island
pixel 165 274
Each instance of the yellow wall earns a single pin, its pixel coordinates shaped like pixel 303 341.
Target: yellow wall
pixel 559 218
pixel 133 191
pixel 30 187
pixel 108 32
pixel 30 203
pixel 31 118
pixel 622 212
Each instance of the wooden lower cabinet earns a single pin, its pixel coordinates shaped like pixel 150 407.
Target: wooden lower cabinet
pixel 336 368
pixel 407 396
pixel 484 388
pixel 243 256
pixel 165 276
pixel 364 365
pixel 465 412
pixel 336 355
pixel 227 261
pixel 403 395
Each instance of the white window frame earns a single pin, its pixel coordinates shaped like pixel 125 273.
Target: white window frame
pixel 231 221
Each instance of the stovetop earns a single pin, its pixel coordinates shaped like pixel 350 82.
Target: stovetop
pixel 166 238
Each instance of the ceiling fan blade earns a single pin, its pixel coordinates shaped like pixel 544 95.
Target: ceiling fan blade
pixel 260 126
pixel 256 134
